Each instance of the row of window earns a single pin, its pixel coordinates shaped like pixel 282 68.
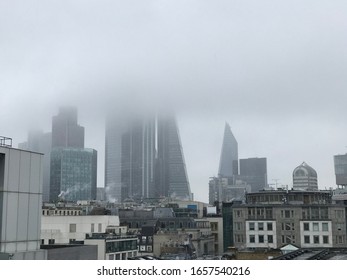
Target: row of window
pixel 315 239
pixel 261 226
pixel 261 238
pixel 316 227
pixel 73 227
pixel 62 212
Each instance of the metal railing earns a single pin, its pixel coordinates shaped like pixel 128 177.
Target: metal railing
pixel 5 142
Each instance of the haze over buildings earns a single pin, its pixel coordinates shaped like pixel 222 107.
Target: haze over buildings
pixel 274 70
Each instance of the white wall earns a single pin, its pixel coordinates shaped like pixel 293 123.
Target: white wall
pixel 58 227
pixel 20 201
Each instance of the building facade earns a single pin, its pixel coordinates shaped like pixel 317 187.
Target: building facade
pixel 272 219
pixel 73 174
pixel 253 171
pixel 20 203
pixel 340 164
pixel 41 142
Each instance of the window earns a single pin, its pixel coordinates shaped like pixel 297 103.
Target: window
pixel 260 226
pixel 325 227
pixel 238 225
pixel 270 239
pixel 252 239
pixel 316 239
pixel 287 214
pixel 99 227
pixel 306 226
pixel 251 226
pixel 315 226
pixel 261 238
pixel 269 226
pixel 307 239
pixel 51 241
pixel 325 239
pixel 92 227
pixel 72 227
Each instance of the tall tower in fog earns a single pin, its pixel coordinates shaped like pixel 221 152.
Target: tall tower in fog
pixel 66 132
pixel 228 164
pixel 171 179
pixel 144 158
pixel 129 158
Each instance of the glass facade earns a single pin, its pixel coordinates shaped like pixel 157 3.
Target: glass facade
pixel 172 179
pixel 340 162
pixel 228 164
pixel 73 174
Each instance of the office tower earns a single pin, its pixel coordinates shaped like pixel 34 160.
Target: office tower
pixel 134 168
pixel 305 178
pixel 65 130
pixel 20 203
pixel 171 179
pixel 340 163
pixel 228 164
pixel 73 167
pixel 73 174
pixel 42 143
pixel 129 157
pixel 253 171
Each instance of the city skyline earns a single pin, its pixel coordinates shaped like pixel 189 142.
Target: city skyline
pixel 274 71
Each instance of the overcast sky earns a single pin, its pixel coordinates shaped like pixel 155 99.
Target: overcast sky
pixel 276 71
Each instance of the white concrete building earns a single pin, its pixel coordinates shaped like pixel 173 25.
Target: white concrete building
pixel 20 203
pixel 67 229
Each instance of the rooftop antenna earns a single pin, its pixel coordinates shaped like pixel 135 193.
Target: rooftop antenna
pixel 276 182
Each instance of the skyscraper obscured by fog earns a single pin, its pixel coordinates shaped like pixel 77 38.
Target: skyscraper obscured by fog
pixel 253 171
pixel 129 158
pixel 228 164
pixel 73 168
pixel 172 179
pixel 134 168
pixel 66 132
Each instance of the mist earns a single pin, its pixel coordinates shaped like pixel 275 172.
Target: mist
pixel 275 71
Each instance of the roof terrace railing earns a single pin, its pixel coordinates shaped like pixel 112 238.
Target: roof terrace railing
pixel 5 142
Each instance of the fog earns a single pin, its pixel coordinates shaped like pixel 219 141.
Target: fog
pixel 274 70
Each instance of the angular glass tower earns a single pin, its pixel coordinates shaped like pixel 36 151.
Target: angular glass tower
pixel 228 164
pixel 171 179
pixel 144 159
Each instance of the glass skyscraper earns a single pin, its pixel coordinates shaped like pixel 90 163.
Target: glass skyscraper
pixel 340 164
pixel 172 179
pixel 73 174
pixel 143 159
pixel 129 158
pixel 228 164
